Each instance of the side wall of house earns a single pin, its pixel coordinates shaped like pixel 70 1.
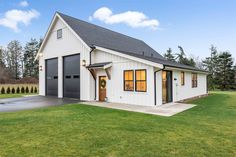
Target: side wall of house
pixel 115 86
pixel 69 44
pixel 186 91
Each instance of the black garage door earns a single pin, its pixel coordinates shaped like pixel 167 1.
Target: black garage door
pixel 52 77
pixel 71 76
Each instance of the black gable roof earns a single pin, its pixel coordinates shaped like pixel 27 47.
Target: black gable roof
pixel 94 35
pixel 99 36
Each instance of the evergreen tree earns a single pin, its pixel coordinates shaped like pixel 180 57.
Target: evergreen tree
pixel 210 64
pixel 3 90
pixel 14 58
pixel 169 55
pixel 30 52
pixel 234 77
pixel 181 58
pixel 225 75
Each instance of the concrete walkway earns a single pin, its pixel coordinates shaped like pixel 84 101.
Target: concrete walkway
pixel 163 110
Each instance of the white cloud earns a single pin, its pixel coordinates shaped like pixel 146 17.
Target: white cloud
pixel 24 4
pixel 131 18
pixel 13 18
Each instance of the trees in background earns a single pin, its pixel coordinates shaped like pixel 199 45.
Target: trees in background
pixel 169 55
pixel 210 64
pixel 179 57
pixel 16 62
pixel 30 52
pixel 222 72
pixel 2 63
pixel 220 65
pixel 225 74
pixel 13 56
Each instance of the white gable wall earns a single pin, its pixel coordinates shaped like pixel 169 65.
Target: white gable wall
pixel 69 44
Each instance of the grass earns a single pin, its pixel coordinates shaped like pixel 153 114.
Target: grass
pixel 3 96
pixel 209 129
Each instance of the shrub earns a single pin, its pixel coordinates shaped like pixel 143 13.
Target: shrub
pixel 13 90
pixel 18 90
pixel 22 90
pixel 32 90
pixel 8 90
pixel 3 90
pixel 27 89
pixel 35 90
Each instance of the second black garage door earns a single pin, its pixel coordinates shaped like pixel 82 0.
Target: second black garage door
pixel 71 76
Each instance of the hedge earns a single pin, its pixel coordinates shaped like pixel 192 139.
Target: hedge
pixel 18 88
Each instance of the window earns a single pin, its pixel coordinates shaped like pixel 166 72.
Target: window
pixel 59 33
pixel 128 80
pixel 182 78
pixel 194 80
pixel 140 81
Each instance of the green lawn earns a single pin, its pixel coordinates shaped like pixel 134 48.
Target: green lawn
pixel 208 129
pixel 2 96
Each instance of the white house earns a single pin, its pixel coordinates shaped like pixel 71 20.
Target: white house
pixel 81 60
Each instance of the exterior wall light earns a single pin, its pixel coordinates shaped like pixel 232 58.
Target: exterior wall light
pixel 40 54
pixel 84 62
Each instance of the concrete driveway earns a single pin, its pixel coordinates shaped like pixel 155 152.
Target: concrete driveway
pixel 31 102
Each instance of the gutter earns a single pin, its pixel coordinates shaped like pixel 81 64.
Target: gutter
pixel 155 79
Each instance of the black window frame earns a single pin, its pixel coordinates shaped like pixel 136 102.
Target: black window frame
pixel 141 80
pixel 182 78
pixel 194 82
pixel 59 33
pixel 128 80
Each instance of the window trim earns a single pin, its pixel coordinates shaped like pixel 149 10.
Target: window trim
pixel 58 33
pixel 193 85
pixel 141 80
pixel 182 83
pixel 128 80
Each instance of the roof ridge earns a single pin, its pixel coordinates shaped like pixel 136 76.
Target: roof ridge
pixel 100 26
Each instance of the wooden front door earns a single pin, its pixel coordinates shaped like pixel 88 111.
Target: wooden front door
pixel 102 88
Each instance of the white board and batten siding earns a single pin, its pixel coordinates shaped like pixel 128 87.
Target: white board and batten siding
pixel 69 44
pixel 182 92
pixel 115 86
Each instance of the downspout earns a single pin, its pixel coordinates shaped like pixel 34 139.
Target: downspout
pixel 90 61
pixel 90 53
pixel 155 90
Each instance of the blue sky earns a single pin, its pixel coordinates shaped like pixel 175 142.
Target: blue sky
pixel 194 24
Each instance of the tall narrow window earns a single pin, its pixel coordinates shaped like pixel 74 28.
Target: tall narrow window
pixel 182 78
pixel 194 80
pixel 128 80
pixel 140 81
pixel 59 33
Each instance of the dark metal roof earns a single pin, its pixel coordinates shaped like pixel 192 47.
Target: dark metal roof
pixel 98 65
pixel 94 35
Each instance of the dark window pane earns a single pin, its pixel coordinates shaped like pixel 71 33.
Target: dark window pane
pixel 59 33
pixel 68 76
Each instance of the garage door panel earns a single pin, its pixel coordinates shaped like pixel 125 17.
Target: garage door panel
pixel 52 77
pixel 71 76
